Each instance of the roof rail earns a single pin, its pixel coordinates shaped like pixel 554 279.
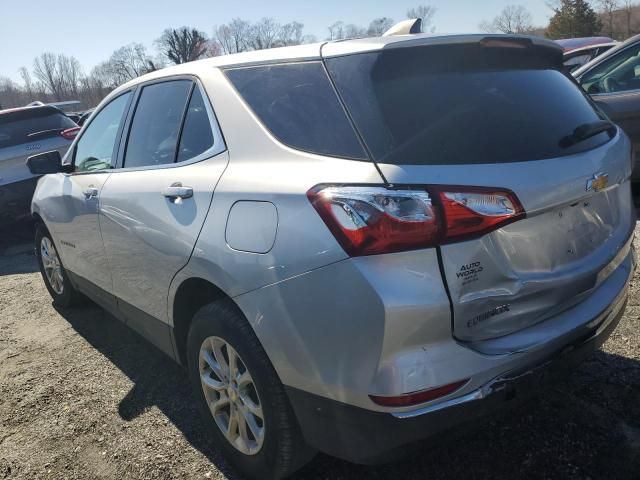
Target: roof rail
pixel 406 27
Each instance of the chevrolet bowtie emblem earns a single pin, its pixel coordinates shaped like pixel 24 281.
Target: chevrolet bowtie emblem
pixel 598 182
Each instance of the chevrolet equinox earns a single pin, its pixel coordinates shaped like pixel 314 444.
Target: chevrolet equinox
pixel 352 245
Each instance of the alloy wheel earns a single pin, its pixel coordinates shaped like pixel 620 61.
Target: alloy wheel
pixel 52 265
pixel 231 395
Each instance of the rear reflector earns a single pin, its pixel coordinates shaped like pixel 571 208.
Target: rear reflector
pixel 370 220
pixel 417 398
pixel 70 133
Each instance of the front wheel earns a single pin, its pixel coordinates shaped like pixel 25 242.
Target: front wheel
pixel 53 272
pixel 247 411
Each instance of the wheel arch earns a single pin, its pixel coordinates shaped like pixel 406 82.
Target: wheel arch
pixel 191 294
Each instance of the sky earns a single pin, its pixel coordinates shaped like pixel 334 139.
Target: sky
pixel 91 30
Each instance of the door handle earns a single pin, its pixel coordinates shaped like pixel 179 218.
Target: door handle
pixel 90 193
pixel 176 192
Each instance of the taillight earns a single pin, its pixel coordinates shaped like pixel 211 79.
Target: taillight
pixel 370 220
pixel 476 211
pixel 70 133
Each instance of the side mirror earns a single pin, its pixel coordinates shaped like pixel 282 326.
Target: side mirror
pixel 44 163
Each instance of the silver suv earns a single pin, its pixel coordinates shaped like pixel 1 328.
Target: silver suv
pixel 24 132
pixel 352 245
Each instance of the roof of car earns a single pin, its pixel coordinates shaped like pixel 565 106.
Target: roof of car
pixel 315 51
pixel 25 111
pixel 578 51
pixel 570 44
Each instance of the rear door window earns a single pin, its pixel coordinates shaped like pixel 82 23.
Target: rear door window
pixel 620 73
pixel 30 124
pixel 441 105
pixel 196 137
pixel 297 103
pixel 155 129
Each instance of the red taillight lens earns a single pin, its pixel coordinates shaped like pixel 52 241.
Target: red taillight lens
pixel 476 211
pixel 370 220
pixel 417 398
pixel 70 133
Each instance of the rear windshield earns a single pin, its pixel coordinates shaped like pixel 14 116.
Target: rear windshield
pixel 441 105
pixel 29 125
pixel 297 103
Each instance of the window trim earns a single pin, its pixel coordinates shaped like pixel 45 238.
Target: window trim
pixel 116 146
pixel 219 146
pixel 604 60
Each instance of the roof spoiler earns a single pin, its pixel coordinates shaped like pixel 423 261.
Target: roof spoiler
pixel 406 27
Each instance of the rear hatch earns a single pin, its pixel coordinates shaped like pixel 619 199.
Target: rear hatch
pixel 497 113
pixel 27 131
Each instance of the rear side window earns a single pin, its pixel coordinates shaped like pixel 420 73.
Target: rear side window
pixel 441 105
pixel 153 138
pixel 31 124
pixel 297 103
pixel 197 136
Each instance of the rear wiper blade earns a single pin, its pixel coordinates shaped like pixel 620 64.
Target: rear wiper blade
pixel 586 131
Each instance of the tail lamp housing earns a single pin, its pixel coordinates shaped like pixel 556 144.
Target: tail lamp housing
pixel 371 220
pixel 70 133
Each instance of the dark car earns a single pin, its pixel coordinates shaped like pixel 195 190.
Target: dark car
pixel 570 44
pixel 84 116
pixel 613 81
pixel 24 132
pixel 575 59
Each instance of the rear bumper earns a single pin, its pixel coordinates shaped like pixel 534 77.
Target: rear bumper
pixel 15 200
pixel 363 436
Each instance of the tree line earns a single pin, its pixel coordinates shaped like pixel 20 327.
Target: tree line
pixel 55 77
pixel 618 19
pixel 58 77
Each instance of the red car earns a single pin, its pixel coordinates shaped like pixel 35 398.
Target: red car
pixel 569 44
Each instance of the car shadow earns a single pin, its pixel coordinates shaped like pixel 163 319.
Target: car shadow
pixel 584 426
pixel 16 249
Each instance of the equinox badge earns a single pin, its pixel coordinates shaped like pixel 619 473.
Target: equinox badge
pixel 598 182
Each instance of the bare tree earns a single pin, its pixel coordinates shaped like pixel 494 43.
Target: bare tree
pixel 70 72
pixel 340 31
pixel 291 34
pixel 263 34
pixel 512 19
pixel 378 26
pixel 60 74
pixel 181 45
pixel 26 80
pixel 11 95
pixel 628 7
pixel 126 63
pixel 424 13
pixel 608 7
pixel 46 71
pixel 233 37
pixel 336 31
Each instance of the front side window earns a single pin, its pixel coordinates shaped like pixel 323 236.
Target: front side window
pixel 97 147
pixel 153 138
pixel 620 73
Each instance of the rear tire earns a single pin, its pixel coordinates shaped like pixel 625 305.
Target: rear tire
pixel 222 347
pixel 53 273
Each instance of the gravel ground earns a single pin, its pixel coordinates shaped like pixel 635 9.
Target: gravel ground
pixel 82 397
